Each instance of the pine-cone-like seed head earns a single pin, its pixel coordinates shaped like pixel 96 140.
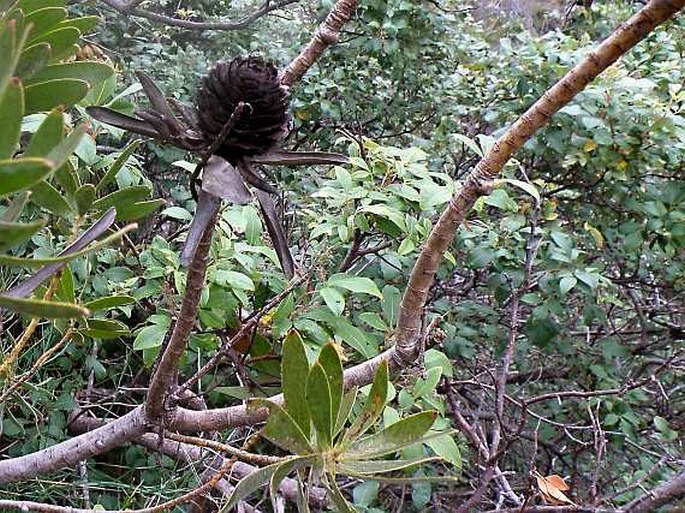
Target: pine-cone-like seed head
pixel 263 124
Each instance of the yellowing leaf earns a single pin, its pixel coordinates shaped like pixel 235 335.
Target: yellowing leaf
pixel 552 489
pixel 595 233
pixel 589 146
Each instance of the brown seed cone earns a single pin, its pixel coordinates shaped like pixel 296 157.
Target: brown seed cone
pixel 263 124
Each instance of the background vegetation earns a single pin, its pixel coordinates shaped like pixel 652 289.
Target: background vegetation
pixel 570 273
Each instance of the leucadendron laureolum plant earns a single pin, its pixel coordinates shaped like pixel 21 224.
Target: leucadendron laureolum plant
pixel 318 426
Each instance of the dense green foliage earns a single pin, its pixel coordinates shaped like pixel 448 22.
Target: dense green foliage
pixel 585 233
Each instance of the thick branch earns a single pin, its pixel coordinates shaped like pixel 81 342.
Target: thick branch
pixel 668 492
pixel 70 452
pixel 166 373
pixel 130 8
pixel 326 35
pixel 476 184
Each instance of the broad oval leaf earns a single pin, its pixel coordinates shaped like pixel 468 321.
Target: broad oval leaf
pixel 90 72
pixel 44 96
pixel 356 284
pixel 134 211
pixel 333 299
pixel 105 303
pixel 122 197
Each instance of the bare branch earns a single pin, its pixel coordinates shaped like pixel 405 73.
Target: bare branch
pixel 326 35
pixel 130 8
pixel 668 492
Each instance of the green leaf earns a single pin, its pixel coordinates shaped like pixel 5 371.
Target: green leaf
pixel 469 143
pixel 446 448
pixel 105 303
pixel 294 372
pixel 13 234
pixel 152 336
pixel 105 329
pixel 22 173
pixel 33 5
pixel 434 358
pixel 11 114
pixel 33 59
pixel 84 197
pixel 134 211
pixel 233 280
pixel 84 24
pixel 333 299
pixel 43 309
pixel 374 405
pixel 345 410
pixel 116 166
pixel 15 208
pixel 524 186
pixel 45 195
pixel 50 133
pixel 370 467
pixel 353 336
pixel 373 320
pixel 391 304
pixel 92 73
pixel 122 197
pixel 60 154
pixel 356 284
pixel 332 366
pixel 44 96
pixel 336 496
pixel 258 479
pixel 44 19
pixel 11 44
pixel 282 429
pixel 399 435
pixel 319 401
pixel 62 40
pixel 566 284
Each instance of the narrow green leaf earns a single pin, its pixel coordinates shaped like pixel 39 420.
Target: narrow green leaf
pixel 105 303
pixel 68 179
pixel 353 336
pixel 116 166
pixel 391 304
pixel 122 197
pixel 319 403
pixel 13 234
pixel 373 407
pixel 11 44
pixel 345 409
pixel 22 173
pixel 368 467
pixel 47 95
pixel 294 372
pixel 332 366
pixel 11 114
pixel 91 72
pixel 281 473
pixel 336 496
pixel 399 435
pixel 33 5
pixel 43 309
pixel 529 188
pixel 138 210
pixel 281 429
pixel 259 478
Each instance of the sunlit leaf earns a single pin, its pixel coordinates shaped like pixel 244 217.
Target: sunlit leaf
pixel 399 435
pixel 43 309
pixel 320 404
pixel 294 372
